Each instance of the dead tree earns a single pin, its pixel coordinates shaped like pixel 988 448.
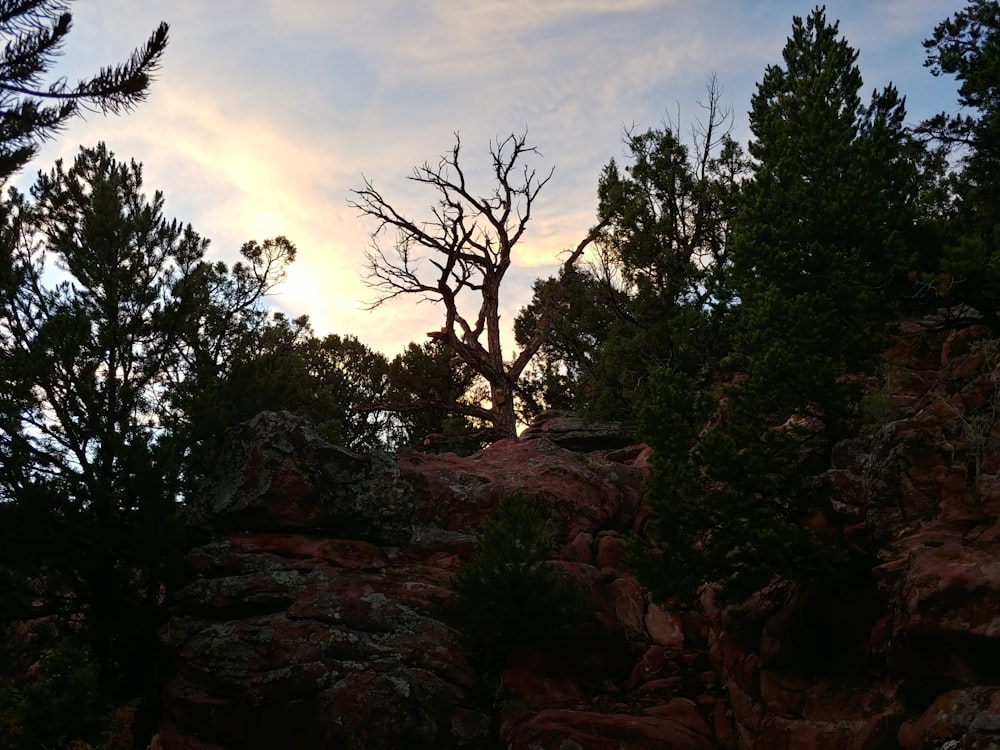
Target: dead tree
pixel 459 257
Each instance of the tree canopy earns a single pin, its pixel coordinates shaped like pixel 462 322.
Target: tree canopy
pixel 817 269
pixel 654 296
pixel 31 110
pixel 463 252
pixel 967 46
pixel 728 303
pixel 113 326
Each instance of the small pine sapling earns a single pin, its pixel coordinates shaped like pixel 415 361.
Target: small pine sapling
pixel 507 596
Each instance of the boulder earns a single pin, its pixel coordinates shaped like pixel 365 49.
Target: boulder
pixel 317 613
pixel 911 653
pixel 281 641
pixel 569 431
pixel 277 472
pixel 561 729
pixel 578 492
pixel 967 719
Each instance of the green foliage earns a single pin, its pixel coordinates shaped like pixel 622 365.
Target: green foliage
pixel 817 251
pixel 115 335
pixel 507 596
pixel 91 489
pixel 817 267
pixel 832 181
pixel 967 46
pixel 349 388
pixel 876 409
pixel 727 504
pixel 56 706
pixel 276 364
pixel 33 34
pixel 654 298
pixel 261 369
pixel 423 381
pixel 564 373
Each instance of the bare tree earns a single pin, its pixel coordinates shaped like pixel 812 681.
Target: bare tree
pixel 460 254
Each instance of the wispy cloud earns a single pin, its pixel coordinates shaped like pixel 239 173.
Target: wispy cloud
pixel 267 113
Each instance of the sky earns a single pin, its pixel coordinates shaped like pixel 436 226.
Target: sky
pixel 267 113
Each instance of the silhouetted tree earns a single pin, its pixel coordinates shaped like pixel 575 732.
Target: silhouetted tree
pixel 967 46
pixel 654 297
pixel 426 381
pixel 344 377
pixel 461 253
pixel 110 318
pixel 31 110
pixel 817 266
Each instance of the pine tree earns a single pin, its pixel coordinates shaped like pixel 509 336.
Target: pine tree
pixel 425 380
pixel 967 46
pixel 33 32
pixel 816 268
pixel 507 596
pixel 111 322
pixel 653 297
pixel 817 250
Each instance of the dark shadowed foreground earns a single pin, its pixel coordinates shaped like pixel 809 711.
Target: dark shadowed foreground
pixel 317 616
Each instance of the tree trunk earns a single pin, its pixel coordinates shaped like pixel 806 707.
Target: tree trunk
pixel 505 419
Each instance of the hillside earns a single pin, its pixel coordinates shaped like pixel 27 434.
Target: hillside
pixel 316 616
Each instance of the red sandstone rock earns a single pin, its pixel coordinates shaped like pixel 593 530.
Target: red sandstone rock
pixel 961 719
pixel 722 725
pixel 649 666
pixel 579 492
pixel 578 550
pixel 664 627
pixel 610 551
pixel 784 695
pixel 685 712
pixel 532 691
pixel 558 729
pixel 627 603
pixel 295 634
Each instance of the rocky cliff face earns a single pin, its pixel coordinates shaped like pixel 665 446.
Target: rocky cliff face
pixel 912 658
pixel 317 614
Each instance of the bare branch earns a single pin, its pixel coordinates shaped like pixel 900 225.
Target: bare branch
pixel 531 348
pixel 421 404
pixel 464 247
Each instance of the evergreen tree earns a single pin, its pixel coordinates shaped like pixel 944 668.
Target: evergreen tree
pixel 104 336
pixel 817 268
pixel 254 364
pixel 507 595
pixel 344 377
pixel 564 374
pixel 818 260
pixel 654 297
pixel 967 46
pixel 662 256
pixel 425 380
pixel 33 32
pixel 90 498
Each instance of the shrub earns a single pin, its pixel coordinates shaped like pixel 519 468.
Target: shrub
pixel 507 596
pixel 57 706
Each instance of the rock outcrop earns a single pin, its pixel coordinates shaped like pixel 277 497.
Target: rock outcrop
pixel 277 474
pixel 318 613
pixel 911 659
pixel 569 431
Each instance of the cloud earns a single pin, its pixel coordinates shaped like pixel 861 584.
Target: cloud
pixel 267 113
